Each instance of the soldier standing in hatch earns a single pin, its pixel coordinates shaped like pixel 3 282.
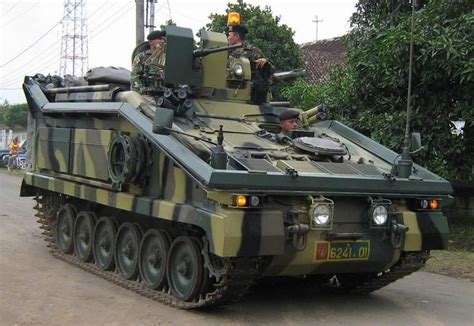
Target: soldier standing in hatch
pixel 261 69
pixel 288 121
pixel 148 66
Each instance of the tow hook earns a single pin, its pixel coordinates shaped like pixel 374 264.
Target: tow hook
pixel 398 234
pixel 298 232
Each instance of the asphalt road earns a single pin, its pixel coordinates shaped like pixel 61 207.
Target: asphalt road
pixel 37 289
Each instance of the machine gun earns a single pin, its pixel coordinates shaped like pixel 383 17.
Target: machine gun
pixel 203 52
pixel 279 76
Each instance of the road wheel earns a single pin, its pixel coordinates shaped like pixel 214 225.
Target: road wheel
pixel 83 235
pixel 65 228
pixel 154 250
pixel 185 269
pixel 126 250
pixel 104 243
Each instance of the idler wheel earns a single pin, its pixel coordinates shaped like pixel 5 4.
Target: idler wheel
pixel 154 250
pixel 185 269
pixel 83 235
pixel 126 250
pixel 104 243
pixel 65 228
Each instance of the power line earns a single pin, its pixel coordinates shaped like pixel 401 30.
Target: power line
pixel 97 10
pixel 13 7
pixel 21 14
pixel 30 71
pixel 39 39
pixel 103 25
pixel 112 16
pixel 13 77
pixel 45 57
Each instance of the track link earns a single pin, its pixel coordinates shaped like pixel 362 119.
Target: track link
pixel 408 263
pixel 229 288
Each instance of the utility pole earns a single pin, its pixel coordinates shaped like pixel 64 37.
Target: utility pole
pixel 139 21
pixel 317 21
pixel 74 46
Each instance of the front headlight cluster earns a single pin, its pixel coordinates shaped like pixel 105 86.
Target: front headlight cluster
pixel 425 204
pixel 379 215
pixel 238 70
pixel 246 201
pixel 321 215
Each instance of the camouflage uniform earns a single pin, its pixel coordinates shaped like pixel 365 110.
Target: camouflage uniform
pixel 148 71
pixel 260 77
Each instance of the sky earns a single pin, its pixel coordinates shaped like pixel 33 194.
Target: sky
pixel 30 30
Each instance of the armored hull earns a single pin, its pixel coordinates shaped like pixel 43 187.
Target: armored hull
pixel 194 213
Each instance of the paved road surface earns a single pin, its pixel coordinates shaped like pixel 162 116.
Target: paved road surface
pixel 37 289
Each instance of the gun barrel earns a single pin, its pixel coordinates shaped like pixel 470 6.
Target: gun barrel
pixel 288 74
pixel 204 52
pixel 78 89
pixel 312 112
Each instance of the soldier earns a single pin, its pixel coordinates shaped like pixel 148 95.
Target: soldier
pixel 148 66
pixel 261 68
pixel 288 121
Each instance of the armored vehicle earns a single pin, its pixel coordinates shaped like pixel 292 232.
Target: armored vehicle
pixel 191 194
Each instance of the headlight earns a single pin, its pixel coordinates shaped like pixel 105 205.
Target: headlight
pixel 380 215
pixel 321 215
pixel 254 201
pixel 238 70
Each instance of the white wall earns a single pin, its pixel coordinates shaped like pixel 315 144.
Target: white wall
pixel 6 136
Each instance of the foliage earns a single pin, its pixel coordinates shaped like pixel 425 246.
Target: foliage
pixel 335 93
pixel 443 76
pixel 13 115
pixel 265 32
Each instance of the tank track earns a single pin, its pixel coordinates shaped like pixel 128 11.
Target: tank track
pixel 229 287
pixel 408 263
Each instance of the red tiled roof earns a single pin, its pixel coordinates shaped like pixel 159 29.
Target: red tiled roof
pixel 320 55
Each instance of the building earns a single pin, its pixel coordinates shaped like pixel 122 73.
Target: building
pixel 319 56
pixel 7 134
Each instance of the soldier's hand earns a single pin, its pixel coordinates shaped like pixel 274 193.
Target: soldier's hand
pixel 259 63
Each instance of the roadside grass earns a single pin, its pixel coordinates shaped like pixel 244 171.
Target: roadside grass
pixel 458 260
pixel 16 173
pixel 457 264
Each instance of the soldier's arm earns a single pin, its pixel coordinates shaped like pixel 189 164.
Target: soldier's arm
pixel 136 74
pixel 260 59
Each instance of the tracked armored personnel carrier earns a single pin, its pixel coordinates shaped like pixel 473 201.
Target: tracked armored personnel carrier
pixel 191 197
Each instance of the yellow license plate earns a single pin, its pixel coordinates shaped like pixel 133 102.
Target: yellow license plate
pixel 342 250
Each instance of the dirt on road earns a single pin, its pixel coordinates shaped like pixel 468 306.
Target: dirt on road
pixel 38 289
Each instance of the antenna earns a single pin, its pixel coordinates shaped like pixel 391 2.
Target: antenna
pixel 317 21
pixel 74 47
pixel 405 164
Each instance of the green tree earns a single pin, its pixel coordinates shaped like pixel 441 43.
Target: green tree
pixel 13 115
pixel 265 32
pixel 443 76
